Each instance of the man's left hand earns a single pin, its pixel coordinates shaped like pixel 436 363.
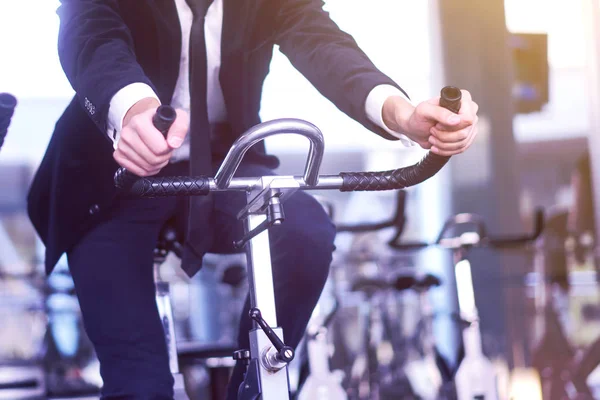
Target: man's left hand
pixel 432 126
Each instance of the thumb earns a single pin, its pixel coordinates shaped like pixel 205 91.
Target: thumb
pixel 450 118
pixel 179 130
pixel 440 114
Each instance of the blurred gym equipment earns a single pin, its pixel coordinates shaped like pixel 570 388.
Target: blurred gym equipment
pixel 563 364
pixel 21 307
pixel 475 377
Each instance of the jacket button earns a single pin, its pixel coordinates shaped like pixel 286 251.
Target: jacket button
pixel 94 209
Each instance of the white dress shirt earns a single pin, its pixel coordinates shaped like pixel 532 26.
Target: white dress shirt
pixel 125 98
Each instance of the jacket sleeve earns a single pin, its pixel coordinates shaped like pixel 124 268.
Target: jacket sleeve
pixel 329 58
pixel 96 52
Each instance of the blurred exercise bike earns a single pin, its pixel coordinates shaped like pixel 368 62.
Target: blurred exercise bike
pixel 475 376
pixel 386 360
pixel 43 347
pixel 316 380
pixel 392 361
pixel 564 367
pixel 21 308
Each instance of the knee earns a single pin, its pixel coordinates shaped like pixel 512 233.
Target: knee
pixel 315 245
pixel 306 241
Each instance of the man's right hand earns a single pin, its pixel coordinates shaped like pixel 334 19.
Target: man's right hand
pixel 142 149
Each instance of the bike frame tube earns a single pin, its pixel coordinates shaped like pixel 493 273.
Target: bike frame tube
pixel 260 273
pixel 273 385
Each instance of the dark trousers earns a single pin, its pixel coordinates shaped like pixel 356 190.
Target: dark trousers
pixel 112 269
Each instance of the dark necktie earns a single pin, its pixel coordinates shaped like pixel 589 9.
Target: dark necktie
pixel 199 232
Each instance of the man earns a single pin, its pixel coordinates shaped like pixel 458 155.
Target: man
pixel 123 58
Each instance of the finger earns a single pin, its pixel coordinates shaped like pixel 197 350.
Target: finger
pixel 468 109
pixel 132 155
pixel 473 136
pixel 136 145
pixel 449 146
pixel 131 166
pixel 450 150
pixel 438 114
pixel 158 168
pixel 443 152
pixel 466 122
pixel 178 130
pixel 153 139
pixel 446 153
pixel 434 101
pixel 452 136
pixel 466 95
pixel 468 115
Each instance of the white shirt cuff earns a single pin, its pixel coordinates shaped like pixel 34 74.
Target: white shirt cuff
pixel 374 109
pixel 121 102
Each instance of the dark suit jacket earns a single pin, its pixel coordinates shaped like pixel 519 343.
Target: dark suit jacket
pixel 105 45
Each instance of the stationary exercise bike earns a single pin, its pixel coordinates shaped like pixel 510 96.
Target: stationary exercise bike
pixel 563 365
pixel 388 362
pixel 475 376
pixel 267 359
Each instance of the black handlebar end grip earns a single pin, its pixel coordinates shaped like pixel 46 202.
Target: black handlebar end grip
pixel 170 186
pixel 163 118
pixel 8 102
pixel 450 98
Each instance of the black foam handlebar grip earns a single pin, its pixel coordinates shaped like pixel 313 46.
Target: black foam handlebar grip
pixel 431 164
pixel 450 98
pixel 170 186
pixel 8 102
pixel 394 179
pixel 162 120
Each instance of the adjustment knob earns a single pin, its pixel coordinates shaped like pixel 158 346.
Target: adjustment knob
pixel 286 354
pixel 241 355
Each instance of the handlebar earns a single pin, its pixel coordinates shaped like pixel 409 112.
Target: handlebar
pixel 450 98
pixel 476 236
pixel 262 131
pixel 7 107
